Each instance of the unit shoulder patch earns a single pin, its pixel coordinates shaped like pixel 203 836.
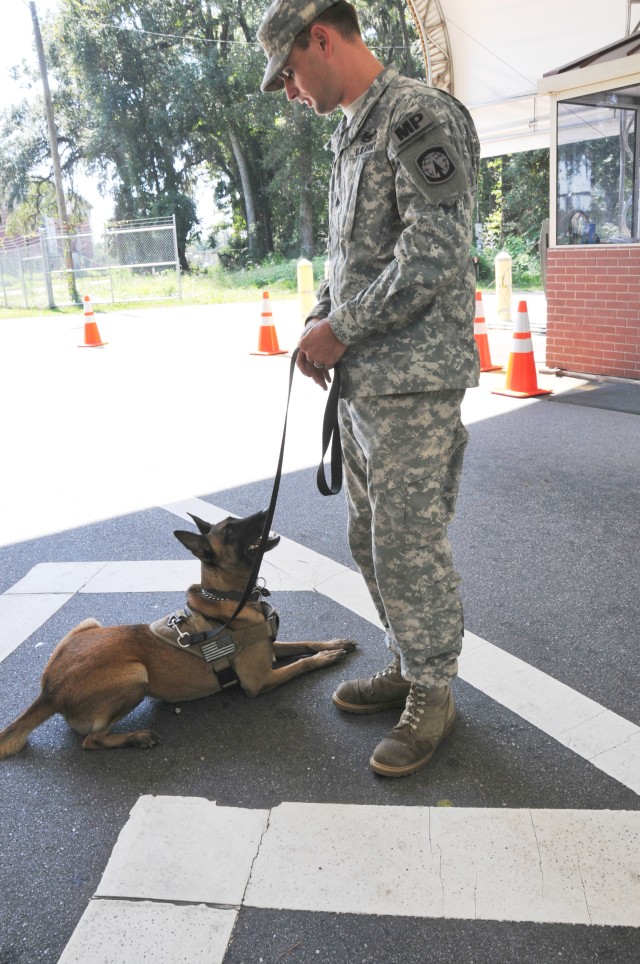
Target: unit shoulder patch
pixel 411 127
pixel 436 165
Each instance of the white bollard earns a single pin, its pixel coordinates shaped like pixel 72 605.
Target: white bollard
pixel 503 286
pixel 306 292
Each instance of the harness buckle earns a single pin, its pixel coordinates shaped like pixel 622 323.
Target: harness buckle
pixel 173 623
pixel 259 590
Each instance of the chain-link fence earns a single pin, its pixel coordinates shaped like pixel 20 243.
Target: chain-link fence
pixel 130 261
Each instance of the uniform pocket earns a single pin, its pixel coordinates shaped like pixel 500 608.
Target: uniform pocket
pixel 348 204
pixel 411 515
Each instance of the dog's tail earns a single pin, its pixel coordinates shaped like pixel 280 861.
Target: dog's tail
pixel 14 737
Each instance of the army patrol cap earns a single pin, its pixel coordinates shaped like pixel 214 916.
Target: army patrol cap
pixel 280 26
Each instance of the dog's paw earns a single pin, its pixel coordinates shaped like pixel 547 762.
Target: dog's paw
pixel 145 739
pixel 346 645
pixel 329 656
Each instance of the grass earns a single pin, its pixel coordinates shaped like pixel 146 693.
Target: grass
pixel 211 286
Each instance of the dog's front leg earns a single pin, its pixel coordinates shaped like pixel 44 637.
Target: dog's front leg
pixel 282 650
pixel 262 683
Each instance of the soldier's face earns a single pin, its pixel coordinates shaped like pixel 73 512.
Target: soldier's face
pixel 307 79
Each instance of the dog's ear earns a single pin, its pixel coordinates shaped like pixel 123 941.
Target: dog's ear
pixel 203 526
pixel 196 544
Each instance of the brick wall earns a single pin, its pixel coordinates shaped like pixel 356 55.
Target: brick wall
pixel 593 309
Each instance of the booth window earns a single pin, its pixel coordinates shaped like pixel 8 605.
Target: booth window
pixel 598 170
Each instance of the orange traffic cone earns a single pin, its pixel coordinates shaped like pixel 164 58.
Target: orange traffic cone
pixel 91 334
pixel 267 338
pixel 521 370
pixel 482 339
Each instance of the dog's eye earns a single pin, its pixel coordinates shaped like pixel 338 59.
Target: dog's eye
pixel 230 532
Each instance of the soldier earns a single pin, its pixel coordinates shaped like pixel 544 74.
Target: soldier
pixel 397 315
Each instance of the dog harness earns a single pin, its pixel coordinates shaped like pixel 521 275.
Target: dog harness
pixel 195 634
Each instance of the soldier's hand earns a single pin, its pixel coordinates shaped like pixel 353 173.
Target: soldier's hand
pixel 319 375
pixel 320 349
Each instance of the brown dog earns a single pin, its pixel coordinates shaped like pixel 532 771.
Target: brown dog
pixel 97 675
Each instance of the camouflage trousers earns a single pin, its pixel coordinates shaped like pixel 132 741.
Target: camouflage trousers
pixel 402 457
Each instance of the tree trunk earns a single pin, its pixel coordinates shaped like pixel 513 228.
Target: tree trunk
pixel 247 190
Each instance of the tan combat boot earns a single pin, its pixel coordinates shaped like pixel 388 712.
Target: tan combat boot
pixel 428 718
pixel 387 690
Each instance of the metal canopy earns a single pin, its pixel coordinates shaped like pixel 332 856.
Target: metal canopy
pixel 492 53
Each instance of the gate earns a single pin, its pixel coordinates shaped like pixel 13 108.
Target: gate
pixel 130 261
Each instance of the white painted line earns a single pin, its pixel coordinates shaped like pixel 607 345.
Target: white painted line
pixel 545 866
pixel 156 575
pixel 608 741
pixel 178 848
pixel 129 932
pixel 550 866
pixel 204 510
pixel 22 615
pixel 67 577
pixel 349 590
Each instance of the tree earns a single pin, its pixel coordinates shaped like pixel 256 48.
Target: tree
pixel 149 91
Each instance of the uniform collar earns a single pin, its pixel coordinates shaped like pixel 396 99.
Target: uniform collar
pixel 345 135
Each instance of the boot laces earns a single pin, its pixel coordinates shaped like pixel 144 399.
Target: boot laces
pixel 391 670
pixel 415 707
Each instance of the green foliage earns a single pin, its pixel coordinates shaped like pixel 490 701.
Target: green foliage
pixel 148 93
pixel 525 267
pixel 513 201
pixel 275 273
pixel 40 201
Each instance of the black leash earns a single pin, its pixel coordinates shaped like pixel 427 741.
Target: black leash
pixel 330 435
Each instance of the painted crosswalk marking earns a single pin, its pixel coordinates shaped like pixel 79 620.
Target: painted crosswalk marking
pixel 546 866
pixel 608 741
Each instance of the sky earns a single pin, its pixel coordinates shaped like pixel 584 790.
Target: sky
pixel 16 44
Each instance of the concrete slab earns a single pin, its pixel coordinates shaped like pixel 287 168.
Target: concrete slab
pixel 131 932
pixel 178 848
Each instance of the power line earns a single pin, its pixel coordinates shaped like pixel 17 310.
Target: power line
pixel 205 40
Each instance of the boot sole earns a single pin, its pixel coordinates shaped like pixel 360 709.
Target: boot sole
pixel 385 771
pixel 362 708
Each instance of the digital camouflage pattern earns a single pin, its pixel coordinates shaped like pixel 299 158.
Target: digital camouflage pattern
pixel 281 24
pixel 402 285
pixel 401 296
pixel 402 460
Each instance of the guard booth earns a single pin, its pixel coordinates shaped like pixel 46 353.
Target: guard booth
pixel 593 251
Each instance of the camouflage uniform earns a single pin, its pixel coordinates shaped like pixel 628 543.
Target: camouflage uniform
pixel 401 296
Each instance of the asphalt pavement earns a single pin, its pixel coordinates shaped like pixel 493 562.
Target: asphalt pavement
pixel 256 831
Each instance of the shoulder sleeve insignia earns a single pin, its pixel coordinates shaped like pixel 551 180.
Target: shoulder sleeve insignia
pixel 410 127
pixel 436 166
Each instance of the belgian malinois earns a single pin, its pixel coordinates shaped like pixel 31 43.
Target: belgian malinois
pixel 96 675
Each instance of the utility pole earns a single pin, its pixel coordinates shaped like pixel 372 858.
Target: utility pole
pixel 55 156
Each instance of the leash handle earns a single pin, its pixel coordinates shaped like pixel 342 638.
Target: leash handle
pixel 331 434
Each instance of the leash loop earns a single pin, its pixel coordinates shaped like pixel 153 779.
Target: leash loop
pixel 331 435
